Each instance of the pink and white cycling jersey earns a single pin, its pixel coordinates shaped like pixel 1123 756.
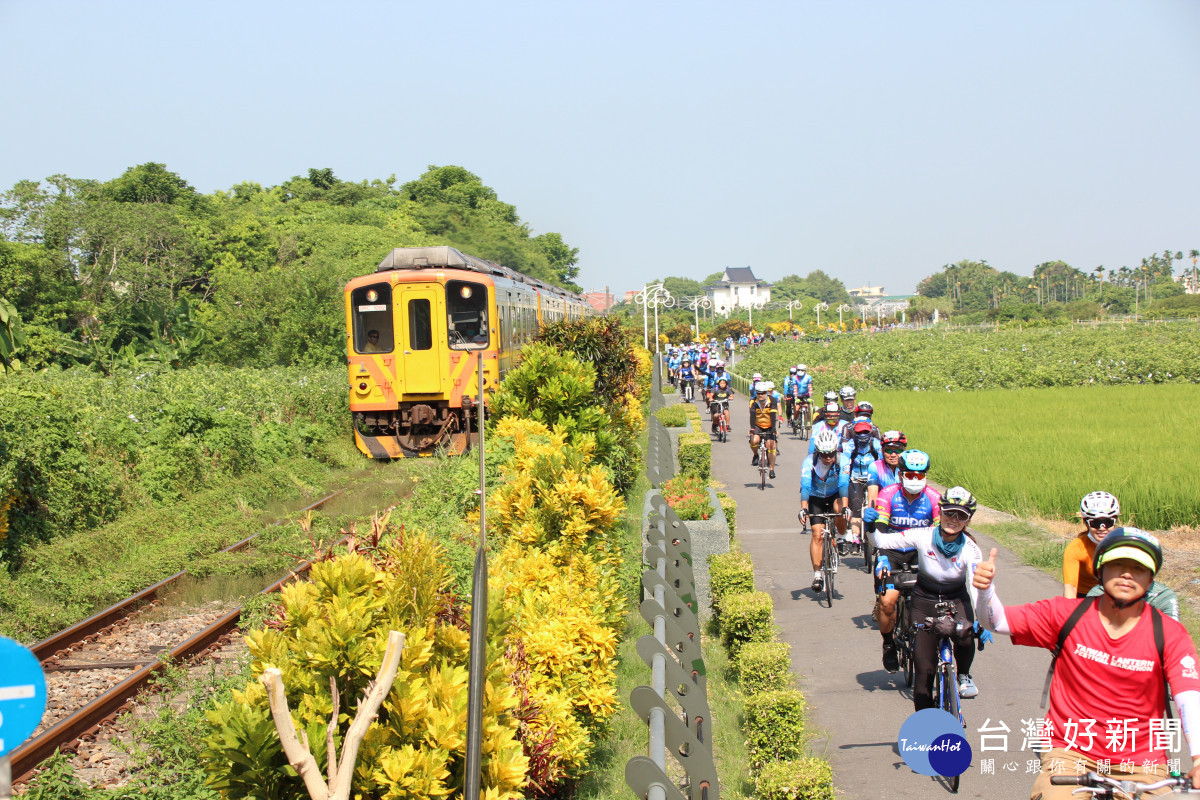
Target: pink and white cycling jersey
pixel 899 513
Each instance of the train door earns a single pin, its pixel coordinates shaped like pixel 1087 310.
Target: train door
pixel 423 355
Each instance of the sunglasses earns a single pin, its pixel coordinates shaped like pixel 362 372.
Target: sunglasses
pixel 912 476
pixel 955 514
pixel 891 452
pixel 1102 522
pixel 827 455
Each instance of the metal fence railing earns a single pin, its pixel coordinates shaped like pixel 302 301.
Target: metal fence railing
pixel 677 667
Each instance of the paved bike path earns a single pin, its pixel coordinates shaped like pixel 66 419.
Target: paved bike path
pixel 855 705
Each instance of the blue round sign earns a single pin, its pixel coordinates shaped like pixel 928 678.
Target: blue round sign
pixel 932 742
pixel 22 695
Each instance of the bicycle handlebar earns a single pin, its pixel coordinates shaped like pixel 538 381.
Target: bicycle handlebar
pixel 1129 788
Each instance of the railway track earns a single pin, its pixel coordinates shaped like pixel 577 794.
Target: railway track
pixel 96 667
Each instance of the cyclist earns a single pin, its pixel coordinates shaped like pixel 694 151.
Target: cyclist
pixel 907 504
pixel 1113 653
pixel 1101 513
pixel 754 380
pixel 819 413
pixel 687 375
pixel 862 451
pixel 674 363
pixel 829 420
pixel 824 487
pixel 804 383
pixel 789 393
pixel 864 410
pixel 764 414
pixel 886 471
pixel 719 403
pixel 948 556
pixel 848 405
pixel 714 376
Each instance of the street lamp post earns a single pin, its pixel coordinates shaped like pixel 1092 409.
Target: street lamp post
pixel 793 305
pixel 750 309
pixel 695 303
pixel 840 309
pixel 819 307
pixel 656 296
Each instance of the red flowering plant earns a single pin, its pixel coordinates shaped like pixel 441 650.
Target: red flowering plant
pixel 688 495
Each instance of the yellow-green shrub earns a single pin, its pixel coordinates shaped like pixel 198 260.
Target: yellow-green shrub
pixel 337 626
pixel 695 454
pixel 729 506
pixel 745 617
pixel 729 573
pixel 802 779
pixel 774 727
pixel 763 666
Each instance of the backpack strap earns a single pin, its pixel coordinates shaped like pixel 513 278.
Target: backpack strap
pixel 1160 643
pixel 1080 609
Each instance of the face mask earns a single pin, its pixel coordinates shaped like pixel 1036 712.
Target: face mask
pixel 913 485
pixel 1096 537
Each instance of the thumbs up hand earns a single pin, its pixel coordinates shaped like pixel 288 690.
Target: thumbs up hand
pixel 986 571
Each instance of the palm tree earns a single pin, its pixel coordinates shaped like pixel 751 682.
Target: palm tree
pixel 1099 274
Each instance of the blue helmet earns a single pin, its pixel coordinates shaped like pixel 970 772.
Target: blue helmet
pixel 915 460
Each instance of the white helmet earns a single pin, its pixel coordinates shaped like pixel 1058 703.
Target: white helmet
pixel 1099 504
pixel 847 393
pixel 826 441
pixel 765 386
pixel 757 376
pixel 801 369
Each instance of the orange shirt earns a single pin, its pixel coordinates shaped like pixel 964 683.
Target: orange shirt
pixel 1077 564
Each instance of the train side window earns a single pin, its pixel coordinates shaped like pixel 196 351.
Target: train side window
pixel 420 325
pixel 467 315
pixel 372 314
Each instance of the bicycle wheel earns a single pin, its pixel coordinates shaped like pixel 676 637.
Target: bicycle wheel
pixel 868 548
pixel 948 689
pixel 828 554
pixel 904 626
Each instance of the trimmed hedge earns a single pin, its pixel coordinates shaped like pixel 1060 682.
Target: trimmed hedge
pixel 729 506
pixel 745 618
pixel 672 416
pixel 695 454
pixel 729 573
pixel 802 779
pixel 764 667
pixel 775 727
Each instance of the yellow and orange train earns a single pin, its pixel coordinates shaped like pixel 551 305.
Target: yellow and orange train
pixel 414 328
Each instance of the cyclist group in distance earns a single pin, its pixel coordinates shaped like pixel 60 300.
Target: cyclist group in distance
pixel 1119 651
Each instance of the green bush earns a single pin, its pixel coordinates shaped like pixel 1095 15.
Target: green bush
pixel 764 667
pixel 774 727
pixel 729 573
pixel 672 416
pixel 695 454
pixel 729 506
pixel 745 618
pixel 802 779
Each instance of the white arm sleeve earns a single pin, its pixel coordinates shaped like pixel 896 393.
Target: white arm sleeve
pixel 1188 704
pixel 990 612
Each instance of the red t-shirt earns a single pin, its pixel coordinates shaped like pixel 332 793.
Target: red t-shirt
pixel 1105 690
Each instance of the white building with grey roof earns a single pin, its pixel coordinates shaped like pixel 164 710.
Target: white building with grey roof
pixel 738 288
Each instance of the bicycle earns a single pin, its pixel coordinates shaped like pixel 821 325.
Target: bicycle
pixel 945 680
pixel 904 634
pixel 1105 787
pixel 867 546
pixel 830 560
pixel 805 414
pixel 688 390
pixel 793 418
pixel 763 466
pixel 720 412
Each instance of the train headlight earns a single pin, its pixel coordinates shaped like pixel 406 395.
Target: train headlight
pixel 372 295
pixel 465 292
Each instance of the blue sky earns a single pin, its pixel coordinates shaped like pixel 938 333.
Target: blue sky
pixel 876 141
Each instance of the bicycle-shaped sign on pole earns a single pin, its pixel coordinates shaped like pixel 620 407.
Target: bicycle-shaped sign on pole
pixel 655 295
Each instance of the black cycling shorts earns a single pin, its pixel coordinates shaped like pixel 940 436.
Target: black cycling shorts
pixel 766 433
pixel 897 559
pixel 821 505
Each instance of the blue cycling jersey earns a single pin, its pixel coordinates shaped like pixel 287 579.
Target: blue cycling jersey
pixel 836 481
pixel 805 385
pixel 713 377
pixel 881 475
pixel 686 374
pixel 817 428
pixel 861 460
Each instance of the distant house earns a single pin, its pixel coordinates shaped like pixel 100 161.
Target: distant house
pixel 601 301
pixel 867 292
pixel 887 305
pixel 738 288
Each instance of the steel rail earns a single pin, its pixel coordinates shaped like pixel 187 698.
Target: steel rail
pixel 57 643
pixel 104 708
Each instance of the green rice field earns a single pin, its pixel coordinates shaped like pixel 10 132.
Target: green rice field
pixel 1039 451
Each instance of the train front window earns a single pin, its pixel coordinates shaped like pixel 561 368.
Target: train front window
pixel 420 328
pixel 466 315
pixel 372 314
